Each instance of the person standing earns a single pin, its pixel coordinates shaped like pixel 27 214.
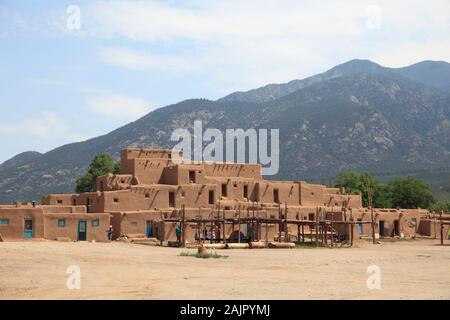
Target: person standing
pixel 110 233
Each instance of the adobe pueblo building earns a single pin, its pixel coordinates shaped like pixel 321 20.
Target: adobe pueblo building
pixel 214 202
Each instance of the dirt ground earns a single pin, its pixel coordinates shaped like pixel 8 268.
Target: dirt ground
pixel 410 269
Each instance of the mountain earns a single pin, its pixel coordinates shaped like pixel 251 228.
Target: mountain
pixel 432 73
pixel 356 116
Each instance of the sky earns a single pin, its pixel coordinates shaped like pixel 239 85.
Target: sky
pixel 74 70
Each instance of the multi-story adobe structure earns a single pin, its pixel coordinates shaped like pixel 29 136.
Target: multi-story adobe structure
pixel 153 194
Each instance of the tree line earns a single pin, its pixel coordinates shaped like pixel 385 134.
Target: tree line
pixel 401 192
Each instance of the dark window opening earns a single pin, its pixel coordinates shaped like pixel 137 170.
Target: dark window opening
pixel 211 197
pixel 147 195
pixel 172 199
pixel 101 186
pixel 191 176
pixel 116 200
pixel 224 190
pixel 246 191
pixel 60 201
pixel 276 196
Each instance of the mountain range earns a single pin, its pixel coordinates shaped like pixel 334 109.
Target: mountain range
pixel 356 116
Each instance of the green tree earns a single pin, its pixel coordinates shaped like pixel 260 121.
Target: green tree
pixel 411 193
pixel 101 165
pixel 440 206
pixel 355 183
pixel 382 196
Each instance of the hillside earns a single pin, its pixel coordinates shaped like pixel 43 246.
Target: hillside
pixel 356 116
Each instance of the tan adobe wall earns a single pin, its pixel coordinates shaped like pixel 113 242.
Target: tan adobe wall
pixel 112 182
pixel 14 230
pixel 182 174
pixel 157 197
pixel 147 171
pixel 288 192
pixel 234 188
pixel 59 199
pixel 70 230
pixel 63 209
pixel 229 170
pixel 311 194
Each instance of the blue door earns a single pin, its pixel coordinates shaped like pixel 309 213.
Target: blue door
pixel 28 230
pixel 360 229
pixel 149 232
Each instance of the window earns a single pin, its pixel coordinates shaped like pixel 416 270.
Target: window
pixel 191 176
pixel 276 196
pixel 95 223
pixel 211 197
pixel 116 200
pixel 147 195
pixel 61 223
pixel 4 221
pixel 245 191
pixel 60 201
pixel 224 190
pixel 171 199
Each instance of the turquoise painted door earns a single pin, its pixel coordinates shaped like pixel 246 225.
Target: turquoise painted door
pixel 360 228
pixel 28 230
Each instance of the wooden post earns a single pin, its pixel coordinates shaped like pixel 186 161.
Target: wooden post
pixel 317 227
pixel 183 228
pixel 325 233
pixel 161 230
pixel 442 228
pixel 351 232
pixel 267 228
pixel 279 222
pixel 286 233
pixel 332 228
pixel 223 227
pixel 239 223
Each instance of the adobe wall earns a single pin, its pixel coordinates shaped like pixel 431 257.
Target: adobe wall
pixel 235 188
pixel 288 192
pixel 59 199
pixel 180 174
pixel 16 217
pixel 112 182
pixel 252 171
pixel 70 230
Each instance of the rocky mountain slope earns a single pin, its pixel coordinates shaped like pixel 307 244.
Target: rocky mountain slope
pixel 356 116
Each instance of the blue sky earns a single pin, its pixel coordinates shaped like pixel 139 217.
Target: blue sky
pixel 60 85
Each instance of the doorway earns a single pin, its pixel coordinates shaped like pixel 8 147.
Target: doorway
pixel 152 229
pixel 28 229
pixel 82 230
pixel 381 228
pixel 396 228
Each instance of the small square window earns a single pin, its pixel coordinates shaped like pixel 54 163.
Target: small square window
pixel 95 223
pixel 60 201
pixel 61 223
pixel 147 195
pixel 116 200
pixel 4 221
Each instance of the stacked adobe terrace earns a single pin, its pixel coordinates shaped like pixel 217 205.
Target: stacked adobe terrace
pixel 153 195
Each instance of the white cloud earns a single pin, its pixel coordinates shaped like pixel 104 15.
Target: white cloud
pixel 243 44
pixel 119 107
pixel 46 126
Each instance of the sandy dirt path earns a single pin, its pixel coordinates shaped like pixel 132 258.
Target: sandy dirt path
pixel 414 269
